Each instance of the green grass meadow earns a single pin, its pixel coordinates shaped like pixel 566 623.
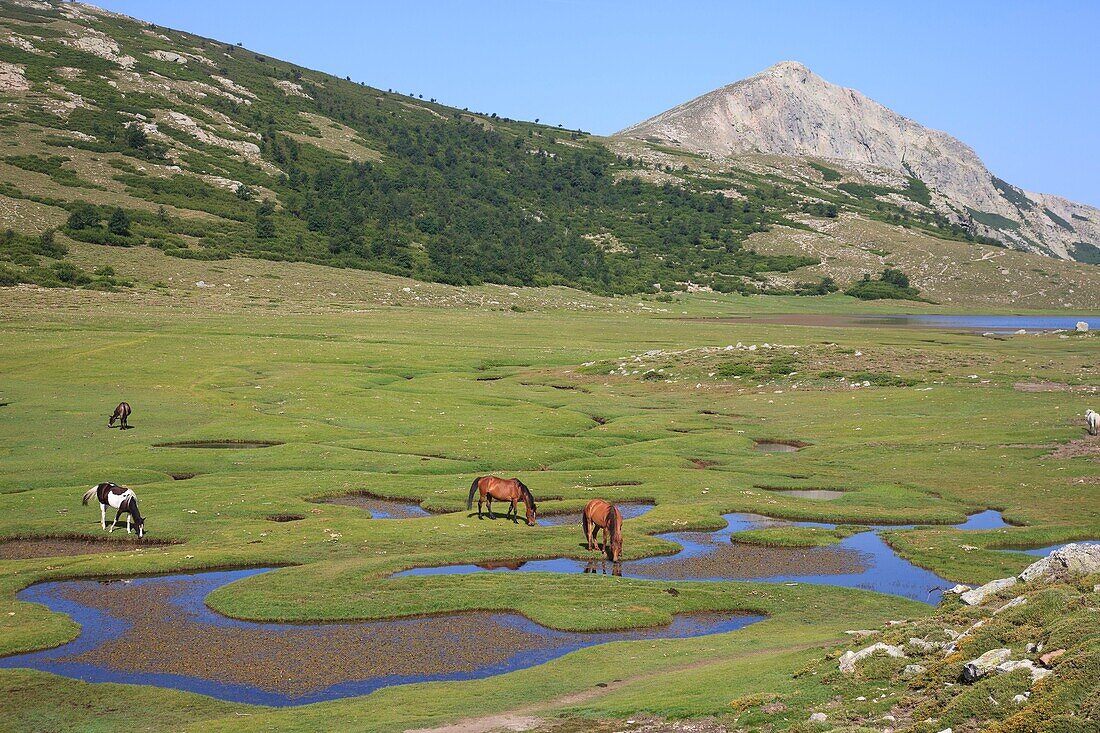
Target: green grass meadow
pixel 414 402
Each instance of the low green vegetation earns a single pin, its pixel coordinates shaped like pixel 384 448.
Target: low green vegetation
pixel 994 221
pixel 891 284
pixel 827 173
pixel 795 536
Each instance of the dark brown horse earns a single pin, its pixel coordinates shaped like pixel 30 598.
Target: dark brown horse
pixel 121 413
pixel 599 514
pixel 510 490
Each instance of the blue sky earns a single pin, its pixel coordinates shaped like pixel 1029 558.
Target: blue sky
pixel 1016 81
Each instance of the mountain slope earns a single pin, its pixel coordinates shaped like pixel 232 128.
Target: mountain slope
pixel 789 110
pixel 118 133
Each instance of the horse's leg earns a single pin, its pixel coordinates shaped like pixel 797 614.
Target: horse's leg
pixel 103 516
pixel 117 515
pixel 479 502
pixel 591 530
pixel 515 513
pixel 127 523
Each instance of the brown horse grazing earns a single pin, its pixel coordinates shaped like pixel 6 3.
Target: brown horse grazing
pixel 121 413
pixel 599 514
pixel 511 490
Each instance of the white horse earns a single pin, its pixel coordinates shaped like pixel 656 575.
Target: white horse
pixel 120 498
pixel 1092 422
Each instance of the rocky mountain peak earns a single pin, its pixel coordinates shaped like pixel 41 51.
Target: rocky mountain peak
pixel 789 110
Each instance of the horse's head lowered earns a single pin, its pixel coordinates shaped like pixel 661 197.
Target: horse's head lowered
pixel 112 418
pixel 529 502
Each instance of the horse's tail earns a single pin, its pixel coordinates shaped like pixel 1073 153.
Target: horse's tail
pixel 473 490
pixel 89 494
pixel 584 523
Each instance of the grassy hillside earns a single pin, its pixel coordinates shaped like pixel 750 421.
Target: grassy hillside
pixel 119 133
pixel 212 150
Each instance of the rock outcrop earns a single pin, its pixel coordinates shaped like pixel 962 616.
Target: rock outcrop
pixel 849 658
pixel 978 596
pixel 1070 561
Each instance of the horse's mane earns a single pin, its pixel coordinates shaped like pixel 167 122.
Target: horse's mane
pixel 527 493
pixel 615 521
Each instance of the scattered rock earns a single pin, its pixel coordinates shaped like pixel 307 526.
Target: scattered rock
pixel 12 78
pixel 1018 699
pixel 958 589
pixel 849 658
pixel 818 718
pixel 170 56
pixel 1070 561
pixel 977 596
pixel 1017 601
pixel 926 646
pixel 1037 673
pixel 291 89
pixel 975 669
pixel 911 670
pixel 1082 327
pixel 1049 657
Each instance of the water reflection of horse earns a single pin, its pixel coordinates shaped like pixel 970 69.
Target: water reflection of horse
pixel 600 567
pixel 511 490
pixel 599 514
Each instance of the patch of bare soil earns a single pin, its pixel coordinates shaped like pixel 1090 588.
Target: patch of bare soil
pixel 1053 387
pixel 1084 447
pixel 23 549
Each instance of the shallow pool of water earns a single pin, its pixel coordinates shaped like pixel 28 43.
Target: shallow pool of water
pixel 158 631
pixel 379 508
pixel 629 510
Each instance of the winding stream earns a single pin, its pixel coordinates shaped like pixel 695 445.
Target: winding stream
pixel 863 560
pixel 158 631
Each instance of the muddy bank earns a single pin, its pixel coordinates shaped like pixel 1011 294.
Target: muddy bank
pixel 223 444
pixel 23 549
pixel 1089 446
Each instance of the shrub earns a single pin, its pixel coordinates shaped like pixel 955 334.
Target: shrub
pixel 83 216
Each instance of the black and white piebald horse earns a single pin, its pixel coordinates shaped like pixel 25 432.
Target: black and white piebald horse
pixel 121 413
pixel 120 498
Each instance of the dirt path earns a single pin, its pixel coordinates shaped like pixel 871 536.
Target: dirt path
pixel 529 717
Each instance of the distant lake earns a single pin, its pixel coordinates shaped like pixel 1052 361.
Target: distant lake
pixel 974 323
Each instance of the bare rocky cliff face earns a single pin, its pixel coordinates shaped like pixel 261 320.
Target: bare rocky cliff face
pixel 789 110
